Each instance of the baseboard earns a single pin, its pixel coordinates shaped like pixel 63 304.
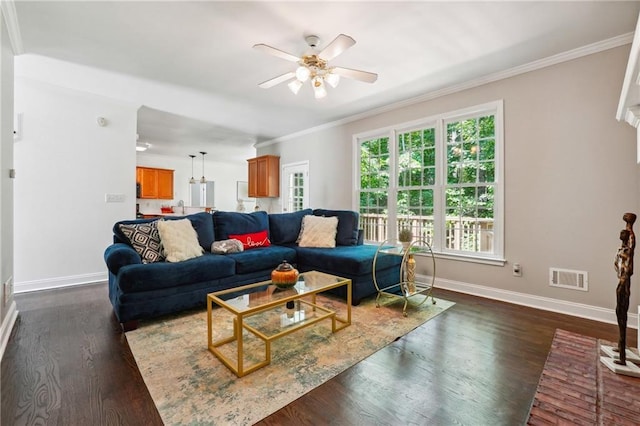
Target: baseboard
pixel 595 313
pixel 7 326
pixel 545 303
pixel 52 283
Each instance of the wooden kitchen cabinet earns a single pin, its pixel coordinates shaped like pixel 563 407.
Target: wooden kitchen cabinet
pixel 264 176
pixel 155 183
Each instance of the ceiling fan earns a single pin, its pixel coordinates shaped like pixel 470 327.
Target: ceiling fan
pixel 314 66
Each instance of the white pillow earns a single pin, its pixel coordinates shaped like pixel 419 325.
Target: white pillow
pixel 179 240
pixel 318 231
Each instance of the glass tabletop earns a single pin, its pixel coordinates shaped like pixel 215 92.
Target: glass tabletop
pixel 264 293
pixel 399 250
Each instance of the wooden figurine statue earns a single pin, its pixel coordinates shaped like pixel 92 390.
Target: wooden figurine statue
pixel 624 269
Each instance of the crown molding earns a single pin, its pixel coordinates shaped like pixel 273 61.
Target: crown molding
pixel 569 55
pixel 10 15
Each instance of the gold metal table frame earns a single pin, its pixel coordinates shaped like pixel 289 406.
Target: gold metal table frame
pixel 253 299
pixel 409 287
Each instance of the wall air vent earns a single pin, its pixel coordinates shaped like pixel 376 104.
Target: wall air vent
pixel 567 278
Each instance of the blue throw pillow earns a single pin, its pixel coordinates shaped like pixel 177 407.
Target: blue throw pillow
pixel 284 228
pixel 347 225
pixel 203 224
pixel 230 223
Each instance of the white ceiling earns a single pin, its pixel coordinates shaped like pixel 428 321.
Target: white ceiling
pixel 414 47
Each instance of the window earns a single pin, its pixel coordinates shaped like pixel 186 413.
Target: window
pixel 442 174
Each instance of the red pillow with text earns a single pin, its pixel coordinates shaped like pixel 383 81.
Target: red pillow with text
pixel 253 240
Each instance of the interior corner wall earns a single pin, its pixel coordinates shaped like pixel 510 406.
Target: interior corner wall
pixel 570 174
pixel 65 164
pixel 6 163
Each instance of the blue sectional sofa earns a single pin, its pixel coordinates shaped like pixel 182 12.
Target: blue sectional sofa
pixel 140 290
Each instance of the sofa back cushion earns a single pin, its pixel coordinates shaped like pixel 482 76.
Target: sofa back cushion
pixel 201 222
pixel 233 223
pixel 284 228
pixel 348 221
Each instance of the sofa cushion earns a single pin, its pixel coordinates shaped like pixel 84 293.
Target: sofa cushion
pixel 230 223
pixel 318 231
pixel 179 240
pixel 165 275
pixel 284 228
pixel 346 260
pixel 264 258
pixel 145 240
pixel 347 225
pixel 253 239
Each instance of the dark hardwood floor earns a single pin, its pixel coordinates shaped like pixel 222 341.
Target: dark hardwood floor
pixel 68 363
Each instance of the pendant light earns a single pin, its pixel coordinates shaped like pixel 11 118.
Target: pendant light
pixel 192 180
pixel 203 179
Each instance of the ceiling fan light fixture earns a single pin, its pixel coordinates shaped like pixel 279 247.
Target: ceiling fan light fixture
pixel 319 90
pixel 295 86
pixel 332 79
pixel 313 66
pixel 302 73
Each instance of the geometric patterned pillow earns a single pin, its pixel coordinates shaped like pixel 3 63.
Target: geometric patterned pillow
pixel 145 240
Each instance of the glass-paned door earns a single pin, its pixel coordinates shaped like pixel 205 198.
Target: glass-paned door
pixel 295 187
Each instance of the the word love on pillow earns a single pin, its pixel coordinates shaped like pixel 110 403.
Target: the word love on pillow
pixel 253 240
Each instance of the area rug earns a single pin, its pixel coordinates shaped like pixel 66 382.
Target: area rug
pixel 576 388
pixel 189 385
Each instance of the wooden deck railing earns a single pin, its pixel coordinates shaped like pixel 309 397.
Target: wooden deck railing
pixel 467 234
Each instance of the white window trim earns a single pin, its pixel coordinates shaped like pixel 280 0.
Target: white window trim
pixel 437 121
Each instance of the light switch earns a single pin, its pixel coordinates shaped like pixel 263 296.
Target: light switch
pixel 114 198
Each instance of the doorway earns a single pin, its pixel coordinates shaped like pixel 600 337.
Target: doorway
pixel 295 187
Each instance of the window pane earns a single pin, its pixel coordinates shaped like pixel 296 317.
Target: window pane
pixel 487 126
pixel 429 157
pixel 454 173
pixel 429 176
pixel 429 137
pixel 487 149
pixel 469 173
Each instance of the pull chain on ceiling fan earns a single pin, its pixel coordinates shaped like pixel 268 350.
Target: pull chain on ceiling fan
pixel 314 66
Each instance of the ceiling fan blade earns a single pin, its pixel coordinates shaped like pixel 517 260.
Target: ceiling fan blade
pixel 277 80
pixel 367 77
pixel 336 47
pixel 276 52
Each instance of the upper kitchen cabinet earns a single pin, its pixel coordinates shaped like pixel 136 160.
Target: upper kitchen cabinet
pixel 155 183
pixel 264 176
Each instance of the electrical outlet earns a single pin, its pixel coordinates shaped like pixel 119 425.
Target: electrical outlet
pixel 517 270
pixel 114 198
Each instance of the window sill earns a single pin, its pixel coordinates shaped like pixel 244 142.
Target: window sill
pixel 485 260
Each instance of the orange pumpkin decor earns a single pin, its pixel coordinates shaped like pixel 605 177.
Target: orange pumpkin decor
pixel 285 275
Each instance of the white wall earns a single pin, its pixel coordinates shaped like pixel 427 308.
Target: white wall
pixel 7 307
pixel 65 164
pixel 570 175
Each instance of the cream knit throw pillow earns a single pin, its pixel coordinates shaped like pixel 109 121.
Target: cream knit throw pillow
pixel 318 231
pixel 179 240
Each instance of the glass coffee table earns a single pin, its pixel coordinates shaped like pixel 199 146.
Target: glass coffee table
pixel 269 313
